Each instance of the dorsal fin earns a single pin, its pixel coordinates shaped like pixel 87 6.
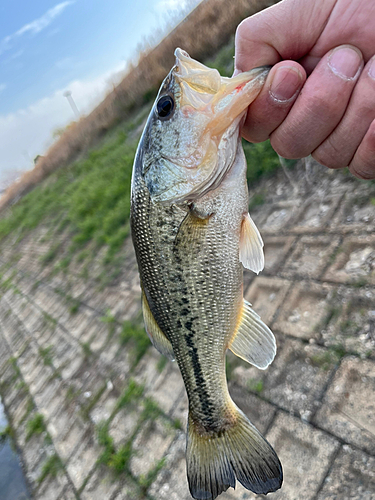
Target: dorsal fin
pixel 253 341
pixel 156 336
pixel 251 246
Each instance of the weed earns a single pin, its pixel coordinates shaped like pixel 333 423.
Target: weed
pixel 6 434
pixel 255 386
pixel 133 392
pixel 360 282
pixel 108 317
pixel 87 352
pixel 49 319
pixel 71 394
pixel 50 255
pixel 75 305
pixel 161 363
pixel 35 426
pixel 46 354
pixel 146 481
pixel 119 460
pixel 151 410
pixel 132 332
pixel 51 467
pixel 176 424
pixel 372 201
pixel 35 285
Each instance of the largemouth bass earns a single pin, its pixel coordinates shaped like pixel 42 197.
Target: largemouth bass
pixel 192 235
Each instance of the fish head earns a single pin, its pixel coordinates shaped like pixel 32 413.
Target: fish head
pixel 191 136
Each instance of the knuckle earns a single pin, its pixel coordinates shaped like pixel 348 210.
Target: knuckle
pixel 330 155
pixel 284 147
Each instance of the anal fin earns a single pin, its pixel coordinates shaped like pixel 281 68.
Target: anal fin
pixel 157 337
pixel 251 246
pixel 253 341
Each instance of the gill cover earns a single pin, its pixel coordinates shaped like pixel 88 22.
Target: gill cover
pixel 190 148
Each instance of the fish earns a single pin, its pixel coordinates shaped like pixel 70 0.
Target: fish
pixel 193 236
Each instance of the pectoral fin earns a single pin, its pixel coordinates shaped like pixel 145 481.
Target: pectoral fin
pixel 157 337
pixel 254 342
pixel 251 246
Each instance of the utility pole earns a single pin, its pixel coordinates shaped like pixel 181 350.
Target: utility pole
pixel 68 95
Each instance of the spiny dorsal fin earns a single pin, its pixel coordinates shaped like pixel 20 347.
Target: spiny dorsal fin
pixel 251 246
pixel 156 336
pixel 254 342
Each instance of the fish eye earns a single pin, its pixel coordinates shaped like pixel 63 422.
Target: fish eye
pixel 165 107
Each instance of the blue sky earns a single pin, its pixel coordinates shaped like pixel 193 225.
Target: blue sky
pixel 47 47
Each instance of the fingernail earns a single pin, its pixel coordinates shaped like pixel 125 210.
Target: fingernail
pixel 285 83
pixel 371 70
pixel 345 62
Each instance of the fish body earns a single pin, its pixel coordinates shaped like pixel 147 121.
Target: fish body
pixel 192 236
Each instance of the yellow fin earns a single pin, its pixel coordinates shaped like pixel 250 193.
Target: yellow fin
pixel 251 246
pixel 216 459
pixel 157 337
pixel 254 342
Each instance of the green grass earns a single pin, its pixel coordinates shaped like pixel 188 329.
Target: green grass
pixel 51 467
pixel 35 426
pixel 255 386
pixel 46 354
pixel 133 333
pixel 91 197
pixel 132 393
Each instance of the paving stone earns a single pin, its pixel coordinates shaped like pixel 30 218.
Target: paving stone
pixel 124 424
pixel 352 476
pixel 147 372
pixel 294 381
pixel 357 213
pixel 355 261
pixel 168 388
pixel 305 453
pixel 278 216
pixel 149 446
pixel 304 310
pixel 316 214
pixel 171 482
pixel 275 251
pixel 52 488
pixel 311 255
pixel 259 412
pixel 348 408
pixel 83 460
pixel 68 494
pixel 355 329
pixel 266 295
pixel 180 411
pixel 100 486
pixel 129 491
pixel 67 442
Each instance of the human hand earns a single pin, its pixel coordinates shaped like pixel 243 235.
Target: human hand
pixel 331 114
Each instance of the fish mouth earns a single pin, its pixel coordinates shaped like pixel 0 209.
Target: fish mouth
pixel 223 99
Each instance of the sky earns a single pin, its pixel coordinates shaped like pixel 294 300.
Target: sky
pixel 48 47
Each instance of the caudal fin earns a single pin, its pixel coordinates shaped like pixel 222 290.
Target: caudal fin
pixel 215 460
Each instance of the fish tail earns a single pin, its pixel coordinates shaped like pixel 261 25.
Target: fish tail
pixel 215 459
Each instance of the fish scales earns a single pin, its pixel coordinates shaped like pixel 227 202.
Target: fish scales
pixel 192 238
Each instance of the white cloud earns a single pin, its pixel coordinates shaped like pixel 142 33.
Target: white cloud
pixel 35 26
pixel 28 132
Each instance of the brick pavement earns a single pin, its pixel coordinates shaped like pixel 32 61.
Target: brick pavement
pixel 62 355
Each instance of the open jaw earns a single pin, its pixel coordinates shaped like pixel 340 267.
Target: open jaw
pixel 214 106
